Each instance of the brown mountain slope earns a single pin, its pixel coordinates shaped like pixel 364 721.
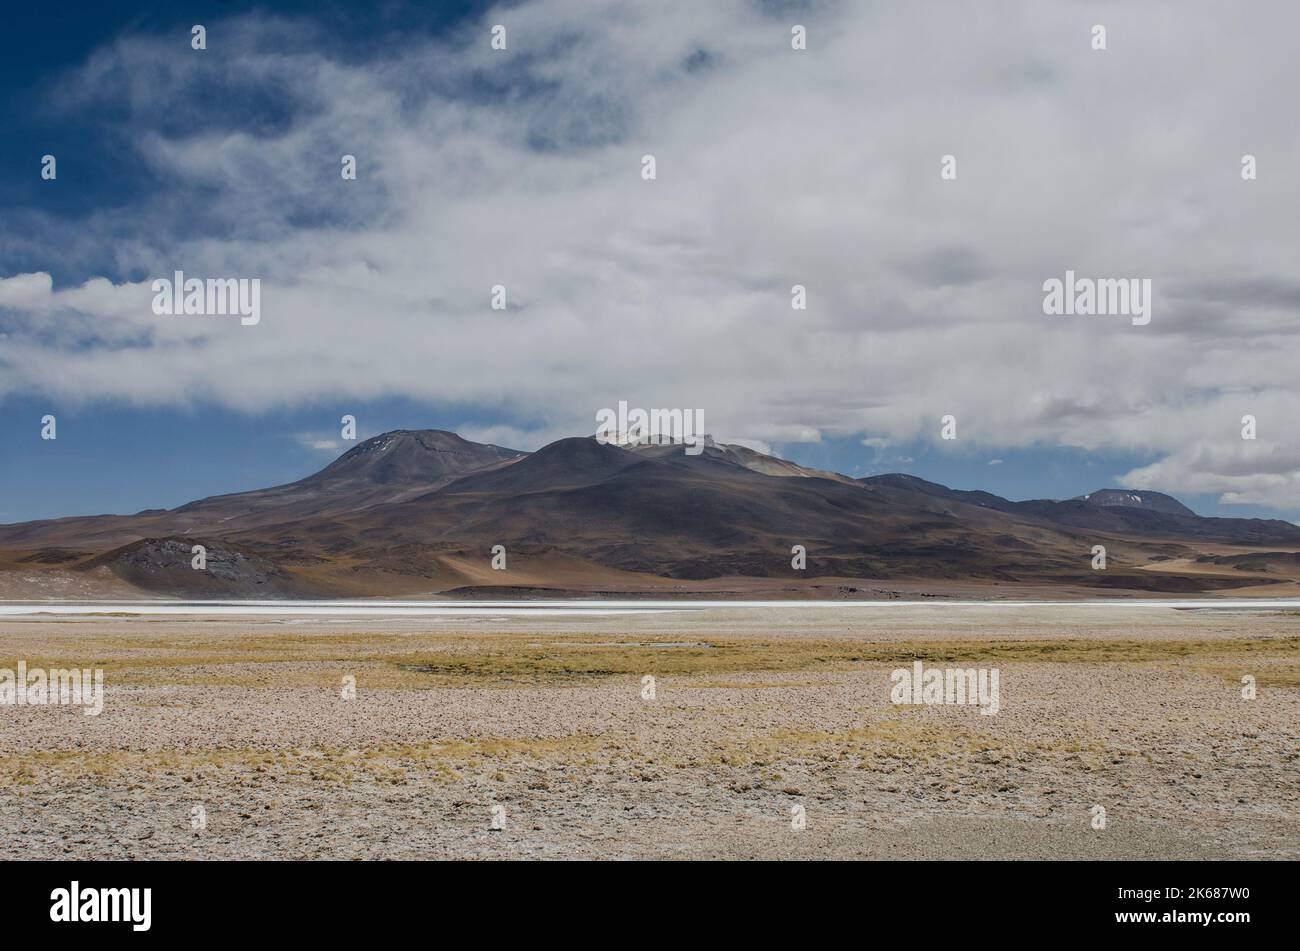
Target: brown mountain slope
pixel 385 469
pixel 1139 514
pixel 418 512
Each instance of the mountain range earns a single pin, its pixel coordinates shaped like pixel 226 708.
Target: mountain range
pixel 418 512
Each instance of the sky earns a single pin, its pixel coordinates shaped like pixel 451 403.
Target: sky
pixel 774 167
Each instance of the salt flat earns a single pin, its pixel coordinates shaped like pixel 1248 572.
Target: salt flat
pixel 591 607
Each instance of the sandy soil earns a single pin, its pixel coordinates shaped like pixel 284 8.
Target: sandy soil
pixel 756 712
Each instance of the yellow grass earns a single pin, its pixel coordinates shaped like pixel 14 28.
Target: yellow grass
pixel 389 661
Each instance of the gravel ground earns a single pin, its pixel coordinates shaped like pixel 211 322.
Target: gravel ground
pixel 577 764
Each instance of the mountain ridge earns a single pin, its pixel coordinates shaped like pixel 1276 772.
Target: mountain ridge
pixel 415 511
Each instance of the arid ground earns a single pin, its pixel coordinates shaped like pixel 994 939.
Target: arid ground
pixel 541 723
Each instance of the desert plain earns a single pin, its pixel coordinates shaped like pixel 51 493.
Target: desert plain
pixel 770 734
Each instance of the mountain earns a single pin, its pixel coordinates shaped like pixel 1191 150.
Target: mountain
pixel 1147 515
pixel 913 483
pixel 1147 501
pixel 418 512
pixel 385 469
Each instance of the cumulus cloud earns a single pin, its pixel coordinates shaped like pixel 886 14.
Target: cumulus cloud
pixel 775 168
pixel 1258 472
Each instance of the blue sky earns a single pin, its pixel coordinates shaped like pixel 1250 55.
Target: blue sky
pixel 521 167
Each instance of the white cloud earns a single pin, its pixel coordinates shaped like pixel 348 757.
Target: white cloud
pixel 1249 472
pixel 775 167
pixel 320 442
pixel 30 292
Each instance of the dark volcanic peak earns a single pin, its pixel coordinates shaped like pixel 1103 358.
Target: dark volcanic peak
pixel 412 455
pixel 574 460
pixel 1151 501
pixel 578 449
pixel 387 469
